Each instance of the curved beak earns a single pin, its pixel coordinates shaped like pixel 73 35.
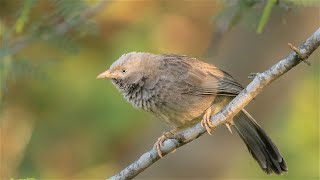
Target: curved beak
pixel 106 74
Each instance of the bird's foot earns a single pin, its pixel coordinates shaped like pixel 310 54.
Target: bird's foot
pixel 161 139
pixel 207 124
pixel 228 124
pixel 206 121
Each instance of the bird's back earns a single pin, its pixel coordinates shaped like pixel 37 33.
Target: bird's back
pixel 187 87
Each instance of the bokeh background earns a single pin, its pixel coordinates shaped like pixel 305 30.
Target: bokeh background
pixel 58 122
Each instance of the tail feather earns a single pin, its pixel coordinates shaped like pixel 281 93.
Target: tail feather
pixel 260 146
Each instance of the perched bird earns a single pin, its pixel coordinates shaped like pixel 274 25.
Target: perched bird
pixel 181 91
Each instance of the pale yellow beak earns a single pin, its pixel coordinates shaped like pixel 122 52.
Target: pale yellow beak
pixel 106 74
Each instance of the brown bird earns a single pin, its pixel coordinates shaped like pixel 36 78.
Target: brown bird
pixel 181 91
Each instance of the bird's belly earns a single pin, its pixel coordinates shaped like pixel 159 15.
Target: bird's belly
pixel 184 111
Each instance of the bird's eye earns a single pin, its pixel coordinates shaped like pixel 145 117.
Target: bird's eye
pixel 124 71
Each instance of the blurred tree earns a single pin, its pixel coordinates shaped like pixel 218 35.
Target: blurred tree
pixel 56 121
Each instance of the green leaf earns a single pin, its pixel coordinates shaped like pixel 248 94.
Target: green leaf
pixel 23 18
pixel 266 14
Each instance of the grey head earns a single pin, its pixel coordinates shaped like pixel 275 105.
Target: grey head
pixel 130 73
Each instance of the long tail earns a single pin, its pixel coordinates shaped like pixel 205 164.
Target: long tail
pixel 260 146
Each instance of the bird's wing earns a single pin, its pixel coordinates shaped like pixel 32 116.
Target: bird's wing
pixel 199 78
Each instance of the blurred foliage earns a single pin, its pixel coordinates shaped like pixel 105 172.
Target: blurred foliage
pixel 237 9
pixel 304 113
pixel 68 9
pixel 57 121
pixel 305 2
pixel 298 130
pixel 255 12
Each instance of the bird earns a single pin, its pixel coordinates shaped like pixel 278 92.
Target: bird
pixel 182 91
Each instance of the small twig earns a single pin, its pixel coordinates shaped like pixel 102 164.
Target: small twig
pixel 252 75
pixel 301 56
pixel 233 108
pixel 59 29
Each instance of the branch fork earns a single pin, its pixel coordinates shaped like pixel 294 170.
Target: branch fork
pixel 301 56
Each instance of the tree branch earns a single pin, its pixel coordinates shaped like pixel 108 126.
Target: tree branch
pixel 61 28
pixel 236 105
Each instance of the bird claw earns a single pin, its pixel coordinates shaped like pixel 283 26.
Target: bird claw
pixel 206 121
pixel 228 126
pixel 159 144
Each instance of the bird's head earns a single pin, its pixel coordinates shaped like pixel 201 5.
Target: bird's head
pixel 128 70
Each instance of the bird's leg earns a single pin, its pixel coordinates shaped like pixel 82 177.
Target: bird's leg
pixel 205 122
pixel 161 139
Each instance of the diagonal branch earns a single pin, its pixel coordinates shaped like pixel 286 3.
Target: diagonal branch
pixel 236 105
pixel 61 28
